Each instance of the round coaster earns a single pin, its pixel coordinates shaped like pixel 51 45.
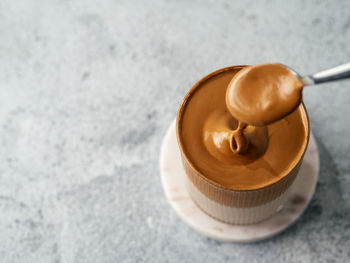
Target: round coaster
pixel 173 180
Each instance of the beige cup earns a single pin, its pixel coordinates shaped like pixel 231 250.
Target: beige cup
pixel 235 206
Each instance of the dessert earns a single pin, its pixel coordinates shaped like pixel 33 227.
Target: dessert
pixel 238 173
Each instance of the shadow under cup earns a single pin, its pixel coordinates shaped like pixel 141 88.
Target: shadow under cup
pixel 230 205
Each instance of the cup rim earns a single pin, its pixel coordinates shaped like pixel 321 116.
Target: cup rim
pixel 305 119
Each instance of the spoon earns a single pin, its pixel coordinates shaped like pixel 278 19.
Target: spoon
pixel 332 74
pixel 262 94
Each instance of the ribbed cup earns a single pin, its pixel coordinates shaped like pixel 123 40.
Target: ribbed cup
pixel 235 206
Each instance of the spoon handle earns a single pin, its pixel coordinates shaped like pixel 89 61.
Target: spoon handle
pixel 336 73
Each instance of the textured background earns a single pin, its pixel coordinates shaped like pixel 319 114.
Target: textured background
pixel 87 91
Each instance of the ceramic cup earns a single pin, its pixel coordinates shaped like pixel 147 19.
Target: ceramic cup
pixel 236 206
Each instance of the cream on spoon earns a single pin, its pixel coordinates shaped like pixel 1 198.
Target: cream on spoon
pixel 262 94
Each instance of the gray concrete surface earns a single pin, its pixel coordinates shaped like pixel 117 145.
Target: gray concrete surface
pixel 87 91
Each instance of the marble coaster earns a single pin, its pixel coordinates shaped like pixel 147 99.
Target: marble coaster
pixel 173 180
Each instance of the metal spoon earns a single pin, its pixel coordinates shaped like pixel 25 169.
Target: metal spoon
pixel 332 74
